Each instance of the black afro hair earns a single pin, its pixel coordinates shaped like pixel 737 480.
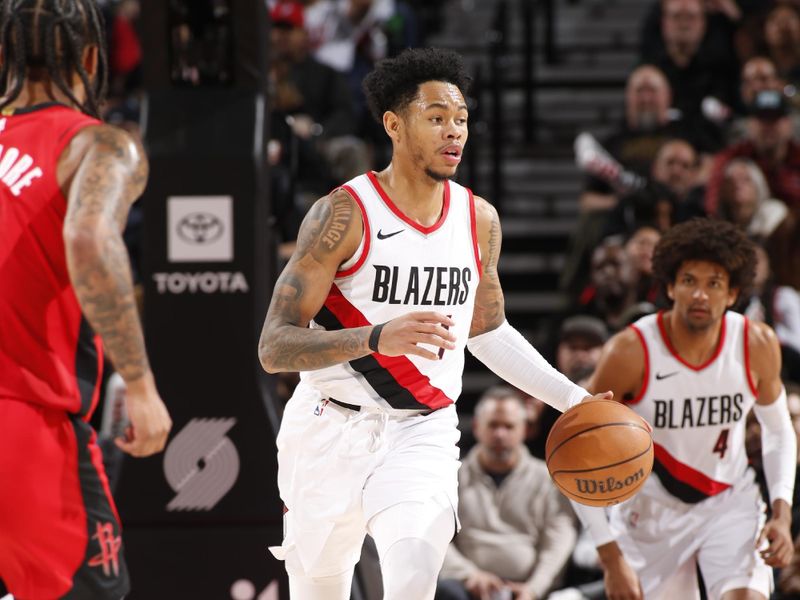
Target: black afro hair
pixel 394 82
pixel 715 241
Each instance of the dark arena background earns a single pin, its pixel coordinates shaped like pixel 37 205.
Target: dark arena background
pixel 199 517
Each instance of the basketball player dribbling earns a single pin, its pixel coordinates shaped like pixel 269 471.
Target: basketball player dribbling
pixel 694 372
pixel 394 274
pixel 66 297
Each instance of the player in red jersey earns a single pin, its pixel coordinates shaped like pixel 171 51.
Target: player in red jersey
pixel 66 297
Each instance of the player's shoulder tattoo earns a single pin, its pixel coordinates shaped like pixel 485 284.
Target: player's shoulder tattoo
pixel 329 225
pixel 489 233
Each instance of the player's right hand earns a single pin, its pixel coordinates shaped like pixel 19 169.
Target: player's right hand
pixel 621 581
pixel 404 334
pixel 149 420
pixel 482 585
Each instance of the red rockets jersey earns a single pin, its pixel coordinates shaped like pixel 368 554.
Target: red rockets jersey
pixel 401 267
pixel 698 413
pixel 48 353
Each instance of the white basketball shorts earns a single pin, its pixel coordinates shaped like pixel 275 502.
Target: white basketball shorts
pixel 337 468
pixel 663 539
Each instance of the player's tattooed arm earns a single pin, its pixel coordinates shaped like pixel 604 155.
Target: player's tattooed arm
pixel 489 302
pixel 330 235
pixel 102 172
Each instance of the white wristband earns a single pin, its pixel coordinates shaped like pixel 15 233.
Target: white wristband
pixel 594 519
pixel 778 447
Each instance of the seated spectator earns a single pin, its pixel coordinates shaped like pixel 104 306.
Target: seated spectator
pixel 782 38
pixel 779 307
pixel 744 200
pixel 677 166
pixel 313 105
pixel 770 143
pixel 695 52
pixel 639 247
pixel 612 288
pixel 517 530
pixel 655 205
pixel 759 74
pixel 634 145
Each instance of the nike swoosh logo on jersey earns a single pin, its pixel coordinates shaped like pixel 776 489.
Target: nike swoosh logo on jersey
pixel 383 236
pixel 659 376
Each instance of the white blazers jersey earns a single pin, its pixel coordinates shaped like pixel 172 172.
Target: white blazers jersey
pixel 698 413
pixel 402 267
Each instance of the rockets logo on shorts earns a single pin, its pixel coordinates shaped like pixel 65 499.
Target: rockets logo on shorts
pixel 110 543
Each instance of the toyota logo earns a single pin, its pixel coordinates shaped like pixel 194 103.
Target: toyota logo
pixel 200 228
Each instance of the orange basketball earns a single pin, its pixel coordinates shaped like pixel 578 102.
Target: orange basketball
pixel 599 453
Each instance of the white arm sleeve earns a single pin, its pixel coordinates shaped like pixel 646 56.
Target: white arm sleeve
pixel 512 357
pixel 778 447
pixel 595 521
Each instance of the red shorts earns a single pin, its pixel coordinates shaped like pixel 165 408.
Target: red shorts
pixel 59 530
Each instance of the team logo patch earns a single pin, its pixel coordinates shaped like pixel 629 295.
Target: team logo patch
pixel 108 557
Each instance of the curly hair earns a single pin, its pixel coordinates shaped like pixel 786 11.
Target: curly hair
pixel 394 82
pixel 710 240
pixel 51 35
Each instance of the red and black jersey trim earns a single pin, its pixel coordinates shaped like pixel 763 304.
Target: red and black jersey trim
pixel 394 378
pixel 88 368
pixel 681 480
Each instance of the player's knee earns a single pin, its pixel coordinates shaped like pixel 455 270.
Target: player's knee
pixel 410 568
pixel 331 587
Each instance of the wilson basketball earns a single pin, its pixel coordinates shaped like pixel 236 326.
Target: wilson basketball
pixel 599 453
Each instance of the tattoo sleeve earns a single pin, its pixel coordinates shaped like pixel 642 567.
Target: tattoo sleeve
pixel 109 178
pixel 324 242
pixel 489 303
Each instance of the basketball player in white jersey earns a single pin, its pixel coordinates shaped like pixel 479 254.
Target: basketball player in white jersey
pixel 695 372
pixel 395 273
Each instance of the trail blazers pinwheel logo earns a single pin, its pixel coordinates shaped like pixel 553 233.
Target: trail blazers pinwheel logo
pixel 201 464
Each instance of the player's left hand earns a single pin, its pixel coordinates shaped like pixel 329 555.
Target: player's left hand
pixel 779 552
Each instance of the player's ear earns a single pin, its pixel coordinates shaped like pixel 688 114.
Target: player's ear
pixel 91 59
pixel 670 291
pixel 393 125
pixel 733 296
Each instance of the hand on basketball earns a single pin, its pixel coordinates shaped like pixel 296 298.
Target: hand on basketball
pixel 777 533
pixel 609 395
pixel 150 421
pixel 482 585
pixel 404 334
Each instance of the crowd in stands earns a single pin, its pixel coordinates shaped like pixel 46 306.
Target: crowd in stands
pixel 711 127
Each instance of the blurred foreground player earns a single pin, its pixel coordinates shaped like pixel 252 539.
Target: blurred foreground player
pixel 694 372
pixel 395 273
pixel 66 297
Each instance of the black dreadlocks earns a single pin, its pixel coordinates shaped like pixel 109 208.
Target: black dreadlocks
pixel 50 36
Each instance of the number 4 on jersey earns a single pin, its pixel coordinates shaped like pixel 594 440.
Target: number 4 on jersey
pixel 722 443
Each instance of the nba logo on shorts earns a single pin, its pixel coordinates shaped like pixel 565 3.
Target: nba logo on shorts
pixel 633 520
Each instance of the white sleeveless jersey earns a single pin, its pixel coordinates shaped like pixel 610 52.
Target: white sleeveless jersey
pixel 402 267
pixel 698 413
